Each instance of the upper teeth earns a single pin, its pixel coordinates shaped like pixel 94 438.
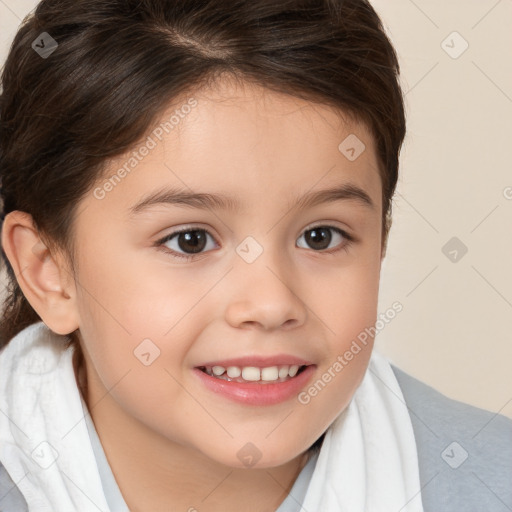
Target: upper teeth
pixel 252 373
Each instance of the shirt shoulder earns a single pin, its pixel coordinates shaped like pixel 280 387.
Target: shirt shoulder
pixel 464 452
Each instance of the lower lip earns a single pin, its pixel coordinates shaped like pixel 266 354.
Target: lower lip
pixel 255 393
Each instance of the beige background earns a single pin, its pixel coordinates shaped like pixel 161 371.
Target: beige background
pixel 454 332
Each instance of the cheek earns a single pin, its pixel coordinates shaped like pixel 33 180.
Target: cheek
pixel 139 317
pixel 128 353
pixel 348 309
pixel 346 301
pixel 139 296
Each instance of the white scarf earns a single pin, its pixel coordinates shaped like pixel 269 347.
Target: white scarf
pixel 368 460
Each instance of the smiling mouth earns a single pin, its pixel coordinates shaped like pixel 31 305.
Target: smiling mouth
pixel 268 375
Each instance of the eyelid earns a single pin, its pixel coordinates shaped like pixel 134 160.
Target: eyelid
pixel 185 229
pixel 346 232
pixel 191 227
pixel 328 222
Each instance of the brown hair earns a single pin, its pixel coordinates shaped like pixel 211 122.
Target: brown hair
pixel 119 63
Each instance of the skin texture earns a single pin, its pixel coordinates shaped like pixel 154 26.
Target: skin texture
pixel 167 438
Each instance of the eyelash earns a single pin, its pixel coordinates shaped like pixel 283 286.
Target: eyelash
pixel 349 239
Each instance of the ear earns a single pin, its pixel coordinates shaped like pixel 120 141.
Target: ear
pixel 45 279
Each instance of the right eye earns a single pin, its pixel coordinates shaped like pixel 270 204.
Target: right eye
pixel 189 240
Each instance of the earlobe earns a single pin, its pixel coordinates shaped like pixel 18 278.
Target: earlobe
pixel 44 279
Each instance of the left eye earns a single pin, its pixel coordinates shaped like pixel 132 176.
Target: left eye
pixel 320 237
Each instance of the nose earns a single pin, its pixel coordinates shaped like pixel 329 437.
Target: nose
pixel 263 296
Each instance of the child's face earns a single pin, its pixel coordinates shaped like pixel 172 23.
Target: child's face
pixel 278 293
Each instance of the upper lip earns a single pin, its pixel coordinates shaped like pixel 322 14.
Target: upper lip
pixel 259 361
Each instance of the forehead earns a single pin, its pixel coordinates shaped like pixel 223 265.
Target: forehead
pixel 247 143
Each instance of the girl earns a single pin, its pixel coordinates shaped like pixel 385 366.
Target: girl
pixel 196 200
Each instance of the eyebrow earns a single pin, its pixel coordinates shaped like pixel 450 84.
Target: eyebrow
pixel 205 201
